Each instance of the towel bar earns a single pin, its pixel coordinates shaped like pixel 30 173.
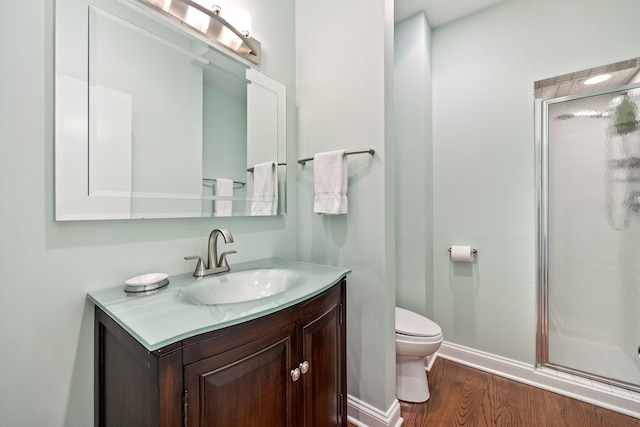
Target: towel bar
pixel 213 181
pixel 279 164
pixel 346 153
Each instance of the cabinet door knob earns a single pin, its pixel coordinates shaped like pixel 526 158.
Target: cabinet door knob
pixel 295 374
pixel 304 367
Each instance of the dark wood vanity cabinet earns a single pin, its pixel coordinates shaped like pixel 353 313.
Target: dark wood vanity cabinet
pixel 284 369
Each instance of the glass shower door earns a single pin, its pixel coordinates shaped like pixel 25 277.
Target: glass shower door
pixel 591 245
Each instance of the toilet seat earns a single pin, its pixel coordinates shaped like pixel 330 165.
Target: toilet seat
pixel 412 339
pixel 412 324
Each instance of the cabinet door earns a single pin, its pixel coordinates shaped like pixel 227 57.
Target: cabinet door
pixel 321 399
pixel 247 386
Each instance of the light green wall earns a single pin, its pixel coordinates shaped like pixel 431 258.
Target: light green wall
pixel 344 81
pixel 413 165
pixel 484 67
pixel 224 143
pixel 46 268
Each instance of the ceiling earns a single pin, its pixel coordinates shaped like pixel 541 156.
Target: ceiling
pixel 440 12
pixel 622 73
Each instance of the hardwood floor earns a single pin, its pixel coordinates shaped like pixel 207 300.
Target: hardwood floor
pixel 463 396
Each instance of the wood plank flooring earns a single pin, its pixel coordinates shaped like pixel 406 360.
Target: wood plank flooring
pixel 463 396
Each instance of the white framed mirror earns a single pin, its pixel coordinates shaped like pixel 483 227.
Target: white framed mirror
pixel 153 122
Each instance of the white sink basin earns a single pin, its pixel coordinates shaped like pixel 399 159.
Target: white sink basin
pixel 234 287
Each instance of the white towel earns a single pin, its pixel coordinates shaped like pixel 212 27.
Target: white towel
pixel 265 189
pixel 330 183
pixel 224 187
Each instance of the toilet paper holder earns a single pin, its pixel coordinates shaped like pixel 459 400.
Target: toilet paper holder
pixel 473 251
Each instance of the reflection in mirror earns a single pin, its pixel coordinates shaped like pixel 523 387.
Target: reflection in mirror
pixel 161 125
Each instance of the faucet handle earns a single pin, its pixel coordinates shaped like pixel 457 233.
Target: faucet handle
pixel 223 258
pixel 200 267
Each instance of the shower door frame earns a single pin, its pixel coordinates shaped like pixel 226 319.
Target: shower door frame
pixel 542 239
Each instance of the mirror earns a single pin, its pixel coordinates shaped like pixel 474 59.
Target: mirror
pixel 153 122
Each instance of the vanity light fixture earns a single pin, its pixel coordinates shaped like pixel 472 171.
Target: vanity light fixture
pixel 597 79
pixel 206 17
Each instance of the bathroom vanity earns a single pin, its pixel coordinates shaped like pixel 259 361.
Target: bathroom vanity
pixel 276 361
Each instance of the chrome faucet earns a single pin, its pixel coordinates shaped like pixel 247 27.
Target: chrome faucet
pixel 214 265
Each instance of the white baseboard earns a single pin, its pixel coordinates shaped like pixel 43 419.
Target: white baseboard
pixel 527 374
pixel 361 414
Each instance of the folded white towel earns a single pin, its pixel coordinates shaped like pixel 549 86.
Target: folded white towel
pixel 265 189
pixel 330 183
pixel 224 187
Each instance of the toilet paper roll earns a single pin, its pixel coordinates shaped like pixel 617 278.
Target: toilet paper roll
pixel 461 253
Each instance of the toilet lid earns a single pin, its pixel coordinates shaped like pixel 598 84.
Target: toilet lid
pixel 410 323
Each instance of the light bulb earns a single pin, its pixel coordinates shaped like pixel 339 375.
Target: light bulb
pixel 229 39
pixel 197 19
pixel 242 21
pixel 597 79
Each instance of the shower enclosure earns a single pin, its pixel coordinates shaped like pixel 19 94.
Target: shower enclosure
pixel 588 167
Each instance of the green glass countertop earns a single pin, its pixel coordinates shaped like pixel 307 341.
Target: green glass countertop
pixel 161 318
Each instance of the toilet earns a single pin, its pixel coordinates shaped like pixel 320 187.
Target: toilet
pixel 416 338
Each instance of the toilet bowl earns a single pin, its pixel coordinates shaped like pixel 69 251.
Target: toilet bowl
pixel 416 338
